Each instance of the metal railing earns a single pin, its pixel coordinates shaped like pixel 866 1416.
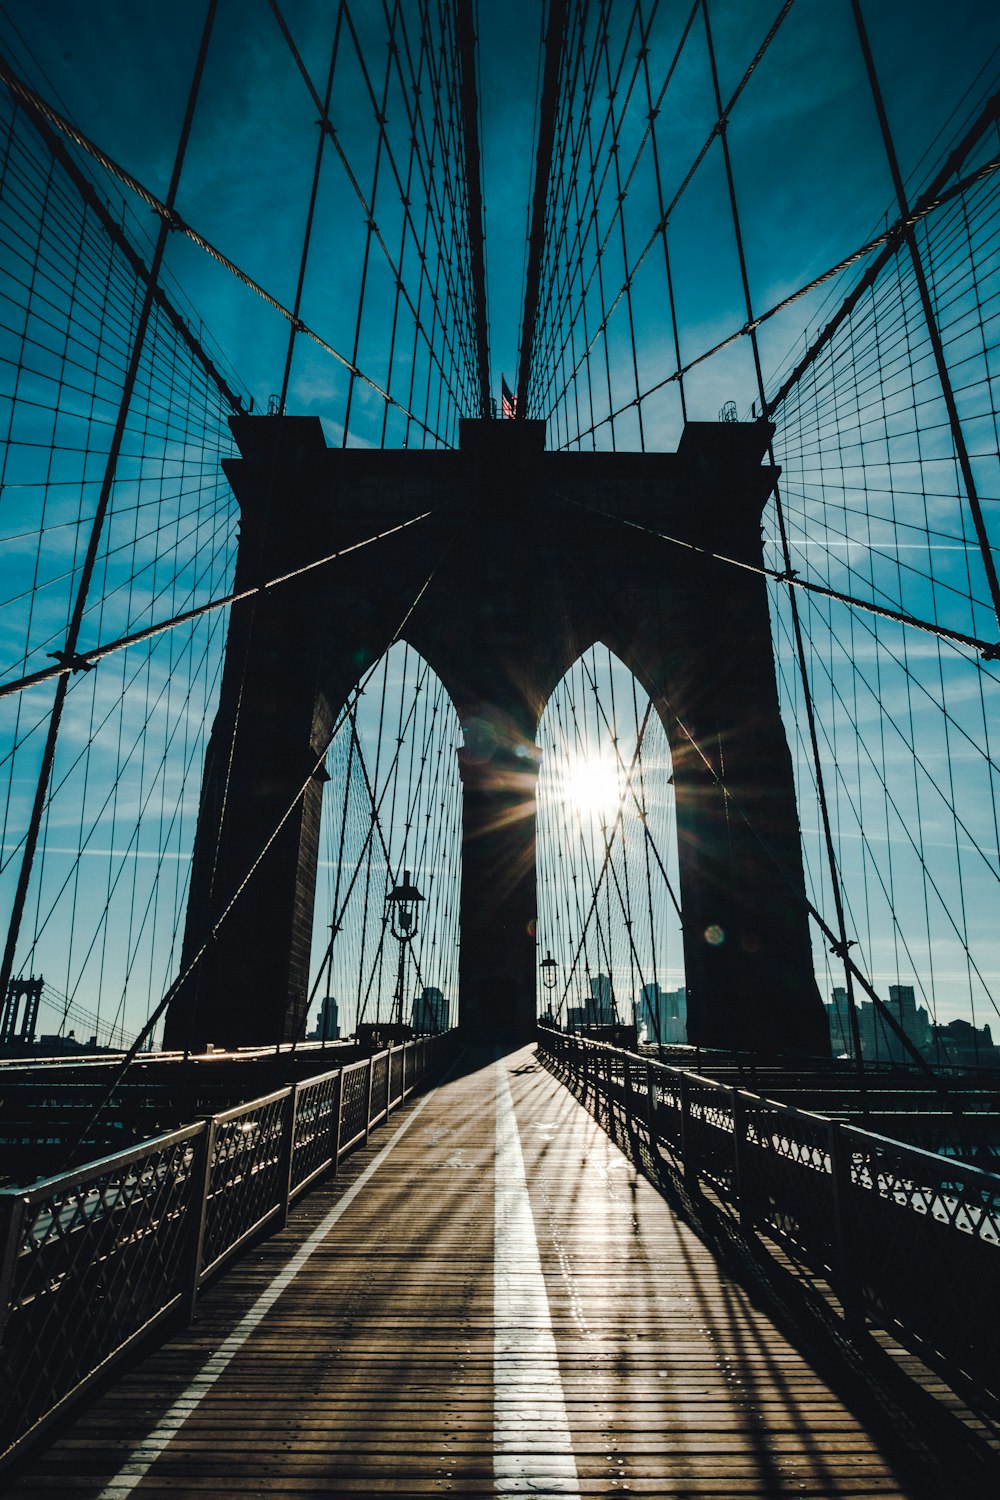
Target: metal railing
pixel 905 1238
pixel 93 1260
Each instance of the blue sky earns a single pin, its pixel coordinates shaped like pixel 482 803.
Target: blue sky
pixel 812 184
pixel 806 155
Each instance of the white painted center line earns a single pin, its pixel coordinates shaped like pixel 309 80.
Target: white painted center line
pixel 145 1455
pixel 532 1444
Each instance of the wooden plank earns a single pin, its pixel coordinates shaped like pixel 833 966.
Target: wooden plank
pixel 373 1372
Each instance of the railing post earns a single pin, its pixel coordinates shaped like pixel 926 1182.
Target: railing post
pixel 286 1159
pixel 628 1092
pixel 651 1105
pixel 388 1083
pixel 742 1187
pixel 368 1106
pixel 689 1166
pixel 200 1189
pixel 607 1082
pixel 844 1266
pixel 336 1131
pixel 12 1210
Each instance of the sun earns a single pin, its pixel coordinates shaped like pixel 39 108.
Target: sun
pixel 591 785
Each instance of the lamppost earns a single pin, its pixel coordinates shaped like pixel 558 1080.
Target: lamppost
pixel 548 967
pixel 402 903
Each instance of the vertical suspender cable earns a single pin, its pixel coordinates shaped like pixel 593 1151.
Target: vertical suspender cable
pixel 322 123
pixel 653 110
pixel 371 227
pixel 543 167
pixel 69 652
pixel 465 26
pixel 934 333
pixel 843 945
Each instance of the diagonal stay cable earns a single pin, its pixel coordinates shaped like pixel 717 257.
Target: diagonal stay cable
pixel 989 116
pixel 451 266
pixel 374 826
pixel 569 153
pixel 989 650
pixel 155 1015
pixel 595 190
pixel 608 845
pixel 375 808
pixel 629 786
pixel 890 242
pixel 138 352
pixel 554 42
pixel 326 124
pixel 798 894
pixel 623 899
pixel 33 101
pixel 717 130
pixel 932 325
pixel 443 210
pixel 83 661
pixel 801 898
pixel 120 240
pixel 649 841
pixel 441 204
pixel 918 851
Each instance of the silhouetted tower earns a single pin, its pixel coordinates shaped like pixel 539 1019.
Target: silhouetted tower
pixel 529 565
pixel 20 1033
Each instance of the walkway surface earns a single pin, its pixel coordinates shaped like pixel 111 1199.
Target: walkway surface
pixel 489 1300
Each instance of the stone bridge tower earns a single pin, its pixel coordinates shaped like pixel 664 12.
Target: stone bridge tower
pixel 528 565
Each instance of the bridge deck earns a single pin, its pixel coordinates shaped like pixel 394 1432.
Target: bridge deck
pixel 489 1300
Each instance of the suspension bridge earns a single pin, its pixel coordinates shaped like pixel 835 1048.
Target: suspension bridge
pixel 501 638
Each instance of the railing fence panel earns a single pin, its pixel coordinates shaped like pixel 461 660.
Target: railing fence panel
pixel 92 1260
pixel 904 1237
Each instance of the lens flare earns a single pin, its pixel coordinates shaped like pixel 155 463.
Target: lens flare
pixel 591 784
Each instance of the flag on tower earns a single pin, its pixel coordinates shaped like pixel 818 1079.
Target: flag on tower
pixel 508 401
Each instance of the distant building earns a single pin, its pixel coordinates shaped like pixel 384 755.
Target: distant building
pixel 595 1009
pixel 602 1001
pixel 430 1011
pixel 962 1044
pixel 912 1018
pixel 327 1022
pixel 662 1014
pixel 838 1018
pixel 879 1041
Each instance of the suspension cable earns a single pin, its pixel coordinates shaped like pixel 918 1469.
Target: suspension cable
pixel 83 661
pixel 69 650
pixel 173 221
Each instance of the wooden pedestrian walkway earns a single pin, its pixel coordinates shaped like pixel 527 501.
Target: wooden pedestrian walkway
pixel 488 1300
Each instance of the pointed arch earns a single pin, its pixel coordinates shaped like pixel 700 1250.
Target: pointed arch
pixel 392 804
pixel 608 903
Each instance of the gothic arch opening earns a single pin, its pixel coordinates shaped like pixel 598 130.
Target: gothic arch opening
pixel 609 933
pixel 392 804
pixel 500 622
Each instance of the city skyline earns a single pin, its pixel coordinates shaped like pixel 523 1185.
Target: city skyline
pixel 903 728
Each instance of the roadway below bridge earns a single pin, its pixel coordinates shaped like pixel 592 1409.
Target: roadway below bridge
pixel 491 1300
